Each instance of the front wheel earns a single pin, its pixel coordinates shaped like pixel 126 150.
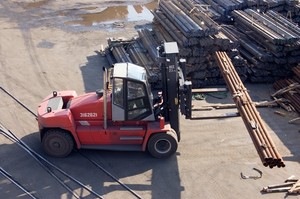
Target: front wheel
pixel 162 145
pixel 57 143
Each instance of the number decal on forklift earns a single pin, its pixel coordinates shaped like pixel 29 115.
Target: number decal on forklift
pixel 172 69
pixel 88 114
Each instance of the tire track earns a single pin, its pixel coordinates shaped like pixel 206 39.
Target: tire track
pixel 29 44
pixel 45 163
pixel 25 22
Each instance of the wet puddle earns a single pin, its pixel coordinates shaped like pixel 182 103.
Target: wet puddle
pixel 36 4
pixel 128 13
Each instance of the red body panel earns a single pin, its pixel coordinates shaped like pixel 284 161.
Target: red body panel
pixel 90 107
pixel 83 117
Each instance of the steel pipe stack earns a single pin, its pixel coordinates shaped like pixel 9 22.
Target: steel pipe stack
pixel 253 122
pixel 138 56
pixel 271 45
pixel 224 8
pixel 167 26
pixel 267 27
pixel 191 5
pixel 262 46
pixel 149 42
pixel 197 40
pixel 189 24
pixel 117 49
pixel 133 51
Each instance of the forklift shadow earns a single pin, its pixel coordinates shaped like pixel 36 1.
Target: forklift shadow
pixel 147 176
pixel 92 72
pixel 142 173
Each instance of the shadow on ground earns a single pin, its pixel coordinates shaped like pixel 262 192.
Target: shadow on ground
pixel 160 178
pixel 92 72
pixel 287 133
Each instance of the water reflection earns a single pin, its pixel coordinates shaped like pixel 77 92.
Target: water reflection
pixel 118 14
pixel 36 4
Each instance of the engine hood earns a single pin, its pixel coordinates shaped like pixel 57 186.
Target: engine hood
pixel 88 106
pixel 83 100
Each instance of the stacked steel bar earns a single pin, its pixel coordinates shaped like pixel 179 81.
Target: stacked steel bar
pixel 224 8
pixel 292 87
pixel 255 126
pixel 204 7
pixel 190 25
pixel 196 44
pixel 271 45
pixel 133 51
pixel 267 27
pixel 149 42
pixel 117 49
pixel 269 42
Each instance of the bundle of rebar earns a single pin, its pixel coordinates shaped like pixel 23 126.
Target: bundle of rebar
pixel 253 122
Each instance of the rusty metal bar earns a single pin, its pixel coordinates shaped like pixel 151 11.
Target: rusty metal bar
pixel 292 96
pixel 253 122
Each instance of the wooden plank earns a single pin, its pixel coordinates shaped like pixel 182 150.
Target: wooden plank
pixel 295 188
pixel 220 116
pixel 229 106
pixel 208 90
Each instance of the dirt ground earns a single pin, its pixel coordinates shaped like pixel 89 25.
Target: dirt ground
pixel 45 47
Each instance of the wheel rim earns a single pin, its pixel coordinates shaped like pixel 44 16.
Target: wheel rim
pixel 163 146
pixel 57 146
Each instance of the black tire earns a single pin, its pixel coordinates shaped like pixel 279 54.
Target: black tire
pixel 57 143
pixel 162 145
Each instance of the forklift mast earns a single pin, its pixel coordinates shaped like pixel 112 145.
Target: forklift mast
pixel 176 91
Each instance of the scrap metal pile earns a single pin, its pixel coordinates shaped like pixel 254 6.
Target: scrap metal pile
pixel 255 126
pixel 290 89
pixel 262 46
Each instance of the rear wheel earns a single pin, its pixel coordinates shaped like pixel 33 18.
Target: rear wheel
pixel 57 143
pixel 162 145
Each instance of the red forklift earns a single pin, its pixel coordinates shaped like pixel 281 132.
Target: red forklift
pixel 121 116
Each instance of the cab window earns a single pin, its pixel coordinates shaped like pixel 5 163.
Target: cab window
pixel 118 92
pixel 138 104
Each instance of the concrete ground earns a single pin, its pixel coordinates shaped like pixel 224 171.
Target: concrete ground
pixel 43 48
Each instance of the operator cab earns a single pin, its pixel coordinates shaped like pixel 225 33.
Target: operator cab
pixel 131 93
